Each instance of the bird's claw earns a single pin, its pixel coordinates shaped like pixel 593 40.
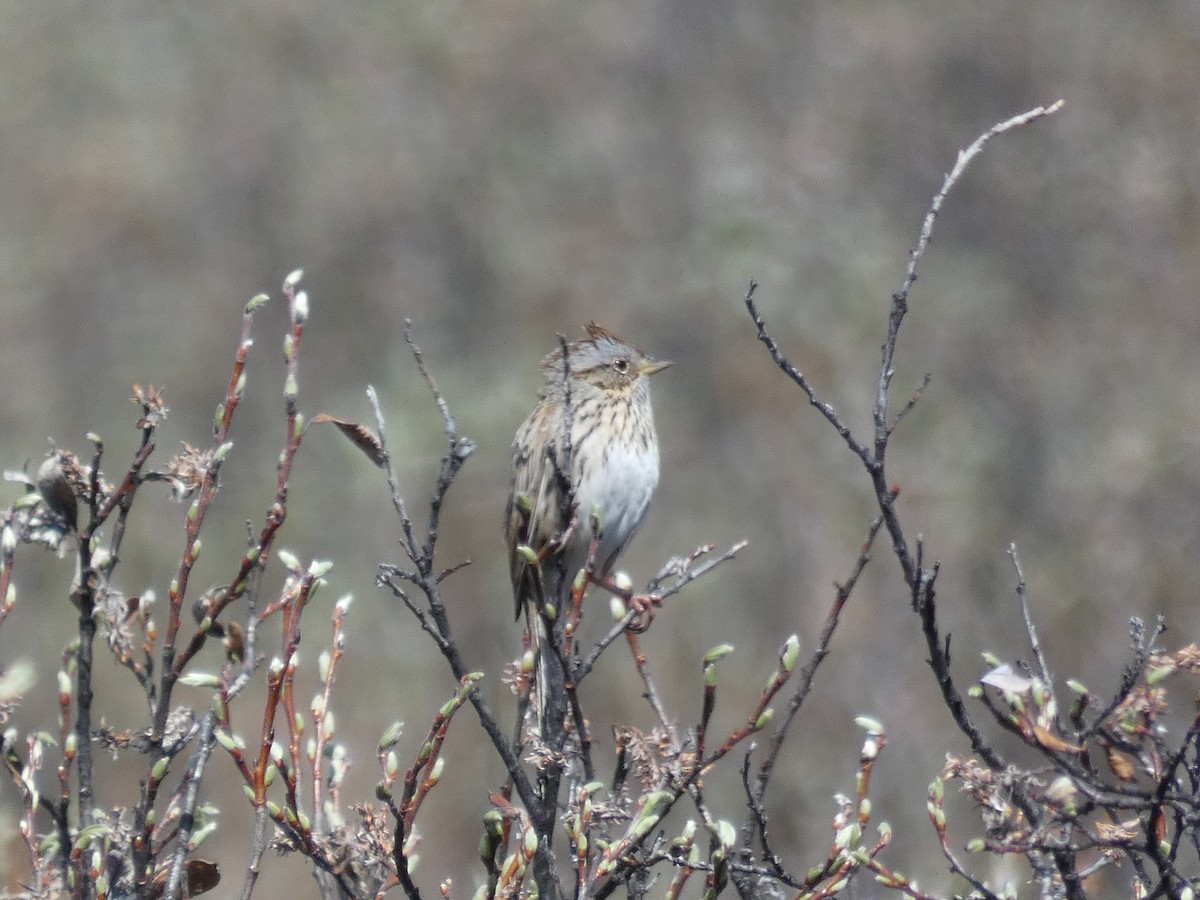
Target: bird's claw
pixel 644 607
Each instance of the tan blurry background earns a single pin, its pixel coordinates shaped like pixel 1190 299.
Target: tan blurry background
pixel 500 172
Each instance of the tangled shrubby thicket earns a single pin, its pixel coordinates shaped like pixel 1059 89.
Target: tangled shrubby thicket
pixel 1071 794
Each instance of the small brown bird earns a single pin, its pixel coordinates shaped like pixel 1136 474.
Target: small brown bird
pixel 613 467
pixel 55 488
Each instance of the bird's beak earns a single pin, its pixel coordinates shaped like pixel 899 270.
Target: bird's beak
pixel 654 366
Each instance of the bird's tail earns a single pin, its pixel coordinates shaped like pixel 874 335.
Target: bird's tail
pixel 550 686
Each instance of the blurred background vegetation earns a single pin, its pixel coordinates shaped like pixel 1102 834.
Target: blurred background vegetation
pixel 499 172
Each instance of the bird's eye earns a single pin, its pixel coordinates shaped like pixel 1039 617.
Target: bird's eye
pixel 621 365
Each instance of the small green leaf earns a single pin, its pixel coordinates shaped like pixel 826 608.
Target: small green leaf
pixel 391 736
pixel 790 653
pixel 200 679
pixel 717 653
pixel 1157 674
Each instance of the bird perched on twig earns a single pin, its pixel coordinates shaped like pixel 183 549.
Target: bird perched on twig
pixel 587 455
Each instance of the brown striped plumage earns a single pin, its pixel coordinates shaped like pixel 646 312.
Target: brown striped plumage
pixel 614 458
pixel 613 472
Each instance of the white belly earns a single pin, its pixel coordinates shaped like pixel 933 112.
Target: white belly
pixel 620 490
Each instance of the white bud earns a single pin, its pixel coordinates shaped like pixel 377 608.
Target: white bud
pixel 300 307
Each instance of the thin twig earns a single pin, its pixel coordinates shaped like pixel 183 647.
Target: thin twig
pixel 406 524
pixel 422 555
pixel 797 376
pixel 917 394
pixel 191 798
pixel 919 578
pixel 960 166
pixel 460 449
pixel 803 686
pixel 1035 645
pixel 683 574
pixel 651 691
pixel 1141 647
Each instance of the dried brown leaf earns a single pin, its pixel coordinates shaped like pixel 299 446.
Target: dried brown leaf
pixel 199 877
pixel 1120 763
pixel 187 470
pixel 1051 741
pixel 360 436
pixel 150 399
pixel 1184 658
pixel 1119 832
